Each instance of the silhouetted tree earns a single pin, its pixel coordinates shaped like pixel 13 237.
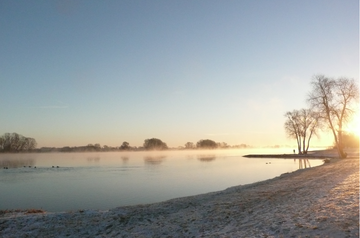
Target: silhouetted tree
pixel 189 145
pixel 154 144
pixel 125 146
pixel 222 145
pixel 301 125
pixel 206 144
pixel 13 142
pixel 90 147
pixel 97 147
pixel 292 127
pixel 335 100
pixel 66 149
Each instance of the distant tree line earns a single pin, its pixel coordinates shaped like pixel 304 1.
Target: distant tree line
pixel 13 142
pixel 88 148
pixel 149 144
pixel 210 144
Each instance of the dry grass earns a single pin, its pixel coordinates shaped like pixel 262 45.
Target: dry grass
pixel 26 211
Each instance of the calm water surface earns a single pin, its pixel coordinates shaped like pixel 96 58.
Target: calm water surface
pixel 111 179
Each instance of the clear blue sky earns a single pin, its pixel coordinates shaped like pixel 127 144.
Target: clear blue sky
pixel 80 72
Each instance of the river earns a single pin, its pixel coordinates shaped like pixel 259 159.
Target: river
pixel 72 181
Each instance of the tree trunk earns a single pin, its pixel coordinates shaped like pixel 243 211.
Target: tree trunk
pixel 299 144
pixel 304 139
pixel 308 143
pixel 340 146
pixel 337 144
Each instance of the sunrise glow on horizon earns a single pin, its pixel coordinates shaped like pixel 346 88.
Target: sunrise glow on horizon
pixel 79 72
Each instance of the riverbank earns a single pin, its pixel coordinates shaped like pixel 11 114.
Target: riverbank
pixel 317 202
pixel 315 154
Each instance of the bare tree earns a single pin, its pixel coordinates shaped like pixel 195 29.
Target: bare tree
pixel 154 144
pixel 206 144
pixel 13 142
pixel 309 124
pixel 189 145
pixel 301 125
pixel 292 128
pixel 125 146
pixel 222 145
pixel 335 101
pixel 97 147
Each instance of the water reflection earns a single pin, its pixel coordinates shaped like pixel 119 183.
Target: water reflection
pixel 125 159
pixel 154 160
pixel 206 158
pixel 147 177
pixel 189 157
pixel 304 163
pixel 93 159
pixel 16 163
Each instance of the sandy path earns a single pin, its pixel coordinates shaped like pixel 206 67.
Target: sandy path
pixel 317 202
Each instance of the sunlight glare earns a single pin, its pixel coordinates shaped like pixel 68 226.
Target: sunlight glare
pixel 354 125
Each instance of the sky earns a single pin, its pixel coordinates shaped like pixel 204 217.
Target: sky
pixel 77 72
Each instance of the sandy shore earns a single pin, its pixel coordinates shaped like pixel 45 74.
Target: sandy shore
pixel 317 202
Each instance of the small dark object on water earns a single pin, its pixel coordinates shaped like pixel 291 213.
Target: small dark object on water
pixel 57 167
pixel 29 166
pixel 53 166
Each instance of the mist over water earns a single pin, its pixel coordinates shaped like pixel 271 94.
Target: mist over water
pixel 72 181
